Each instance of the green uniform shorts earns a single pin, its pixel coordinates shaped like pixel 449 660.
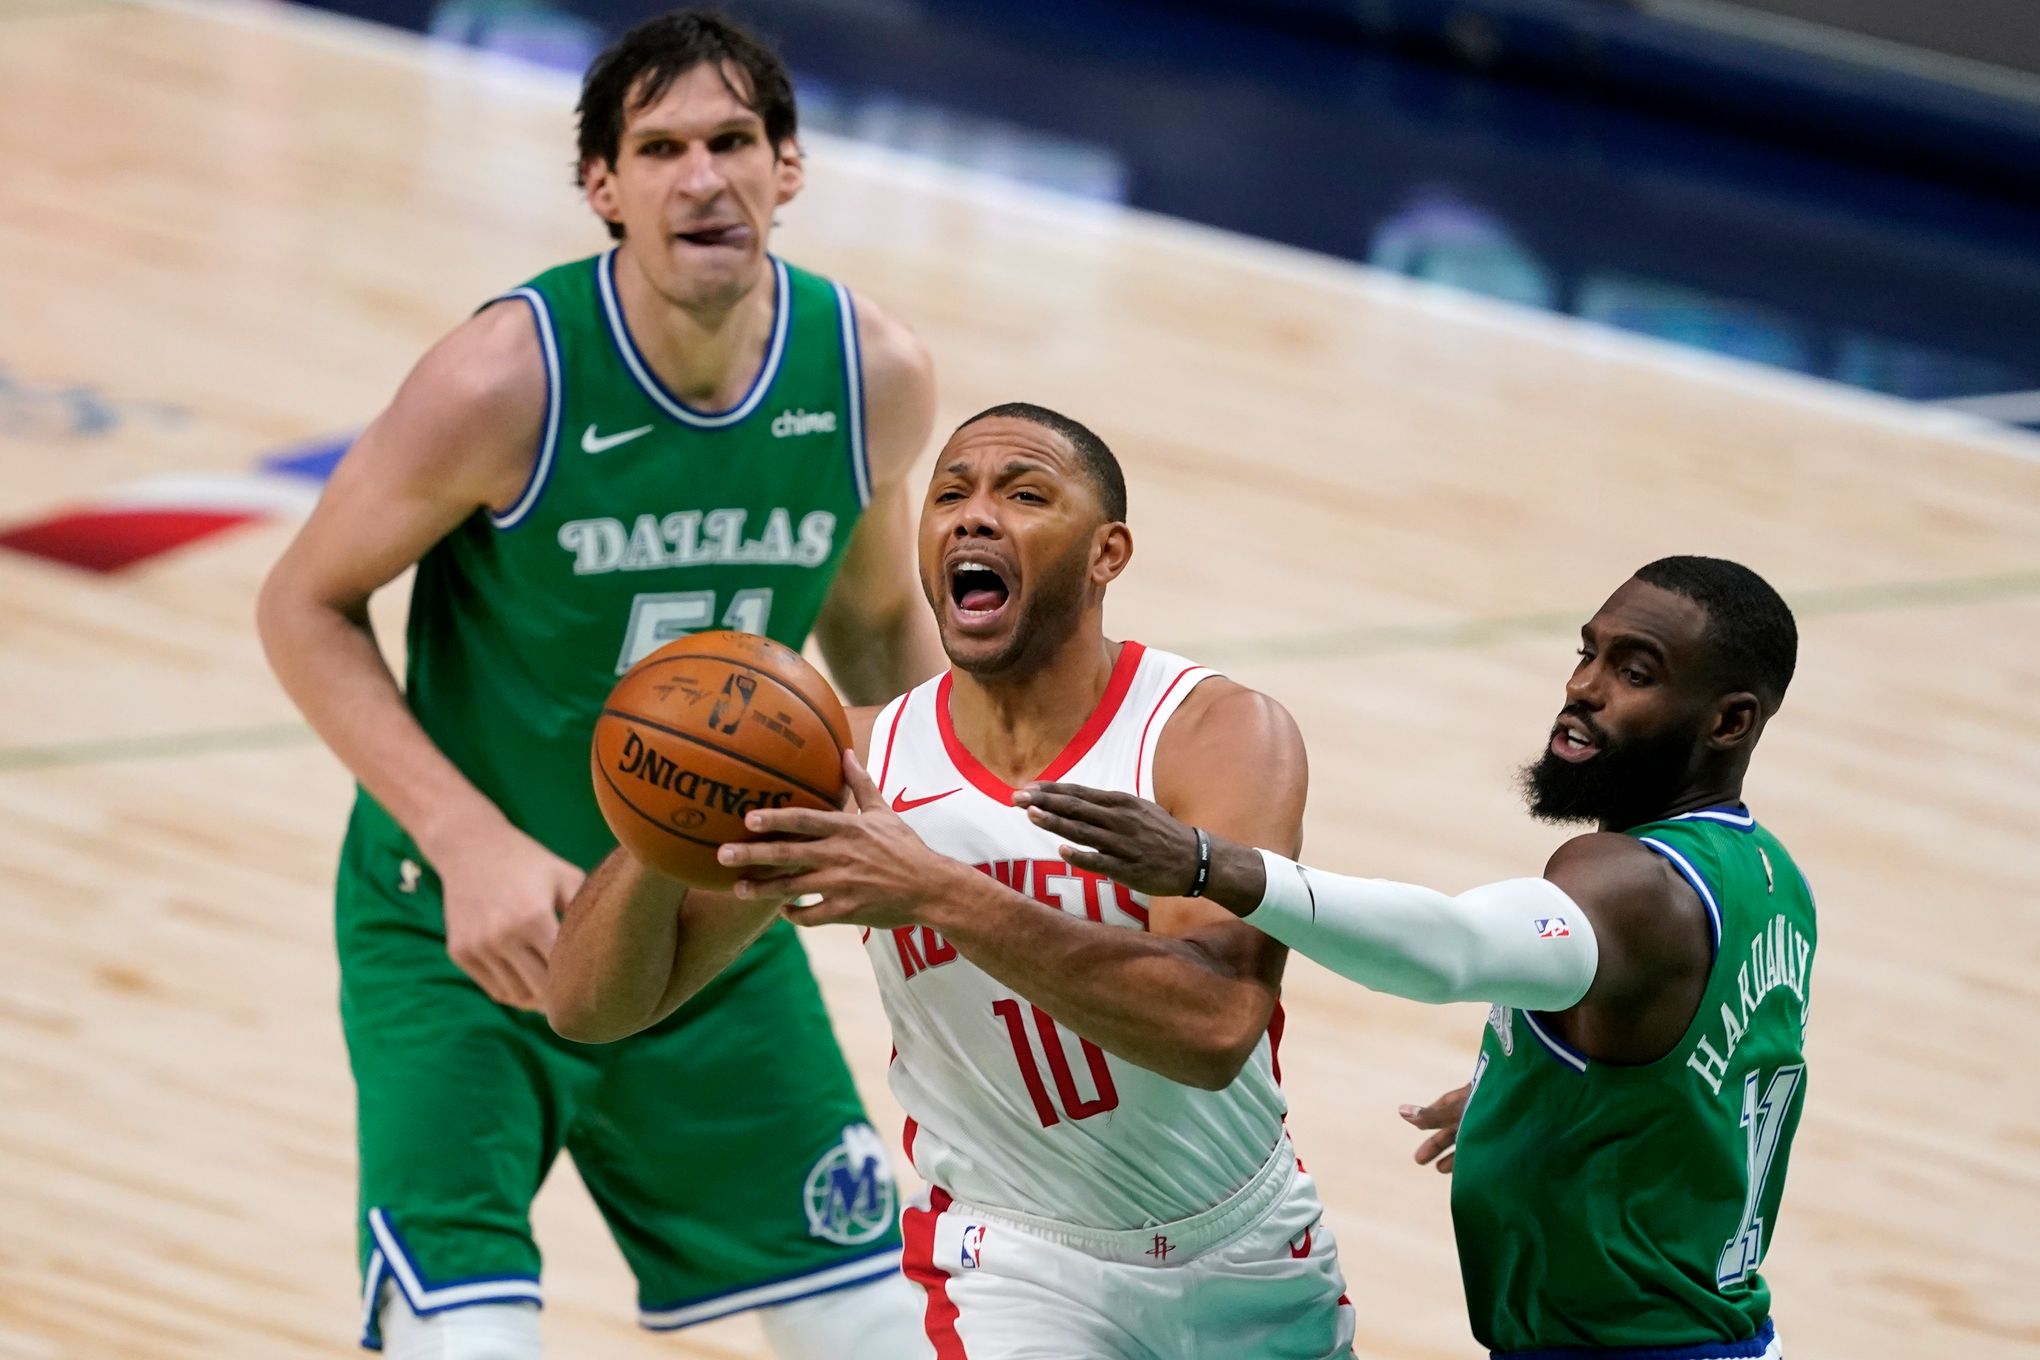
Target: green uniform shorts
pixel 726 1147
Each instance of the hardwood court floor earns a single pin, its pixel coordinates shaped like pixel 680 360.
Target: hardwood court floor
pixel 1386 505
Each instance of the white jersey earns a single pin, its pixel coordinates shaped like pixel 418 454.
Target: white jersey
pixel 1006 1108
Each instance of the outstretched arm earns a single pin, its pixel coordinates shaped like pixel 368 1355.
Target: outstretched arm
pixel 1189 998
pixel 1609 936
pixel 1521 942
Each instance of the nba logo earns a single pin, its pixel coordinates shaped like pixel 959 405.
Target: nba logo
pixel 973 1246
pixel 1552 928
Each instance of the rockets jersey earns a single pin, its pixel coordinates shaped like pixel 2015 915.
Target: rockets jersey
pixel 1007 1109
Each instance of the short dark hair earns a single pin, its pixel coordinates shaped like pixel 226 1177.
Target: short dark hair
pixel 636 70
pixel 1751 637
pixel 1093 455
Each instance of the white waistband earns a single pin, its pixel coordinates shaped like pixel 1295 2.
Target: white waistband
pixel 1164 1244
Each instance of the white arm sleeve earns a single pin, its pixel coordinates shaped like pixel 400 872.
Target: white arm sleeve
pixel 1521 942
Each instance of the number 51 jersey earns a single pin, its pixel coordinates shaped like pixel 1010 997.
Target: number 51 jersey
pixel 1007 1109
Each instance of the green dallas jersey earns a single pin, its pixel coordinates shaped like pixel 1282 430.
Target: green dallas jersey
pixel 1607 1207
pixel 643 520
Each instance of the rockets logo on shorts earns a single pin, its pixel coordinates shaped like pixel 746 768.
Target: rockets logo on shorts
pixel 849 1193
pixel 973 1246
pixel 1552 928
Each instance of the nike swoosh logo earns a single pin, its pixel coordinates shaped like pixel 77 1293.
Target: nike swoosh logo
pixel 902 803
pixel 594 443
pixel 1298 1253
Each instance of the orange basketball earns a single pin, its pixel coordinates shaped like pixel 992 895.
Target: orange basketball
pixel 704 730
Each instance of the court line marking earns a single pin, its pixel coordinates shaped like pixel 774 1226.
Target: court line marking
pixel 1067 212
pixel 161 746
pixel 1346 644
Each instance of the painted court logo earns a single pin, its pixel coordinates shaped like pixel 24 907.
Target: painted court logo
pixel 849 1194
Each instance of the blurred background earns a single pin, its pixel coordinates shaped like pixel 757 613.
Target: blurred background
pixel 1846 188
pixel 1418 323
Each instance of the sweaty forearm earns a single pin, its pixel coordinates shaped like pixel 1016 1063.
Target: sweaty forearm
pixel 1520 942
pixel 329 664
pixel 1158 1002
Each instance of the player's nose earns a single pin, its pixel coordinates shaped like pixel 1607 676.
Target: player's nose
pixel 699 175
pixel 1584 688
pixel 978 518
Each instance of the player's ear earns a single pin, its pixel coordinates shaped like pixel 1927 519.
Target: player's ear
pixel 598 185
pixel 1736 720
pixel 1111 550
pixel 792 170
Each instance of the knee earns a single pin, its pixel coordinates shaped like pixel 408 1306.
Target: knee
pixel 482 1331
pixel 876 1321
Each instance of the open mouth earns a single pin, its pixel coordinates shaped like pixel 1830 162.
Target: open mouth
pixel 977 590
pixel 1572 741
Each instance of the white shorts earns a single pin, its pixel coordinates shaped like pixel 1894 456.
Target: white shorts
pixel 1255 1276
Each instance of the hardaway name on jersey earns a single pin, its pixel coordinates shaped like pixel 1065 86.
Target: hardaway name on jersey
pixel 1006 1108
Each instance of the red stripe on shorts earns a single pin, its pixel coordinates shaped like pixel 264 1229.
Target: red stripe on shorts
pixel 917 1227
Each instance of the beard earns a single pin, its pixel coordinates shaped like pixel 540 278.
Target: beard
pixel 1625 784
pixel 1049 617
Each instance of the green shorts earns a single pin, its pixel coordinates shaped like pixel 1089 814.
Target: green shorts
pixel 726 1148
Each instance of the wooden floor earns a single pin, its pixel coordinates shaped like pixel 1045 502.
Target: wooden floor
pixel 1386 505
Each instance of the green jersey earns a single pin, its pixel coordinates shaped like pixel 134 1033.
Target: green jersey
pixel 643 520
pixel 1603 1206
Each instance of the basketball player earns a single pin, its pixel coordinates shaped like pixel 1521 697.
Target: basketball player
pixel 1622 1148
pixel 682 433
pixel 1088 1072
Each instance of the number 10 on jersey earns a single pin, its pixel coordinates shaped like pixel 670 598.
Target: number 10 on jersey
pixel 1074 1103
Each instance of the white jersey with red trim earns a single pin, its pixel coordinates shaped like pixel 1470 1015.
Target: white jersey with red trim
pixel 1007 1109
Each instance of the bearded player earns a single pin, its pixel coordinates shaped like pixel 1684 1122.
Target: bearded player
pixel 1088 1072
pixel 1622 1148
pixel 682 433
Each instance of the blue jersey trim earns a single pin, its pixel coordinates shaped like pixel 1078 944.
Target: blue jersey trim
pixel 391 1260
pixel 1554 1045
pixel 548 444
pixel 853 382
pixel 1692 876
pixel 1724 814
pixel 648 381
pixel 848 1273
pixel 1747 1349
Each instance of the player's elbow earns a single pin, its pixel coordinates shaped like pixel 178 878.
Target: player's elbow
pixel 1214 1056
pixel 574 1016
pixel 288 611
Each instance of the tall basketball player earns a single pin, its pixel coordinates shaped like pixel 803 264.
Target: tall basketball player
pixel 1088 1072
pixel 1622 1148
pixel 682 433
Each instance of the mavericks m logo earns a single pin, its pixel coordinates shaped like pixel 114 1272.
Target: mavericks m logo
pixel 849 1195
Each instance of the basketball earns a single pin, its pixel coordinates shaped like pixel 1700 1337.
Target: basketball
pixel 705 730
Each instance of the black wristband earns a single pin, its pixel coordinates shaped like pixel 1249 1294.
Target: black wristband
pixel 1203 878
